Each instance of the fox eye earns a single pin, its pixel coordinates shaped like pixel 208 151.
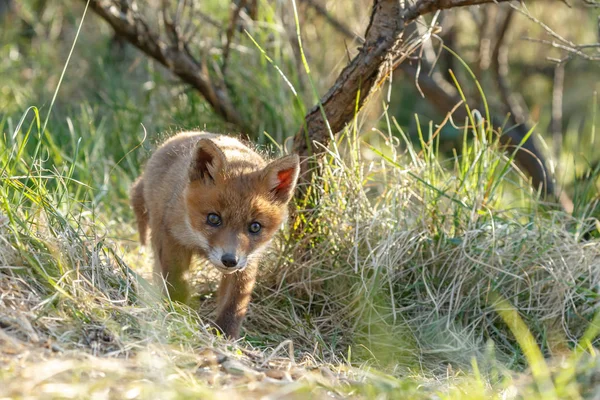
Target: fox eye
pixel 254 227
pixel 213 219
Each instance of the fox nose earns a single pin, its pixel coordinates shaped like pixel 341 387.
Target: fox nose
pixel 229 260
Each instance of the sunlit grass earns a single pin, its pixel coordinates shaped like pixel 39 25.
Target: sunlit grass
pixel 416 279
pixel 404 260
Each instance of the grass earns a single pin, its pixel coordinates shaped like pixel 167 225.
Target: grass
pixel 399 274
pixel 420 277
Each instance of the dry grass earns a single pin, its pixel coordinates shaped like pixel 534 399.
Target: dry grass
pixel 95 331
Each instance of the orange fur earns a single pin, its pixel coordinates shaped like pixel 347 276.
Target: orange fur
pixel 193 175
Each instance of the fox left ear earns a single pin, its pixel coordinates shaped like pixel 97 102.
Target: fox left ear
pixel 281 176
pixel 207 161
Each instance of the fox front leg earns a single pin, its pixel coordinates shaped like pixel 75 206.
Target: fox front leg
pixel 171 262
pixel 234 295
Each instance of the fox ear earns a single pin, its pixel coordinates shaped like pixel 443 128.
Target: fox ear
pixel 281 176
pixel 207 161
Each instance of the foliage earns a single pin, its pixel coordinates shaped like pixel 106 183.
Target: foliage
pixel 420 277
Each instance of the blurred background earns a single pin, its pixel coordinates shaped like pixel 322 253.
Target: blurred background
pixel 540 65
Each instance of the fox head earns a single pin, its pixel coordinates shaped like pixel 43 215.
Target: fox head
pixel 235 207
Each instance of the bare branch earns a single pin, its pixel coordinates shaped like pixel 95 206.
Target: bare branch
pixel 230 31
pixel 338 25
pixel 444 96
pixel 557 108
pixel 486 31
pixel 373 63
pixel 575 49
pixel 423 7
pixel 500 67
pixel 209 19
pixel 558 41
pixel 174 55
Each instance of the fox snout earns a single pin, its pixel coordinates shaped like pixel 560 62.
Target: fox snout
pixel 227 261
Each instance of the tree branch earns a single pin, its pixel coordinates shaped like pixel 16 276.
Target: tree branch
pixel 444 97
pixel 428 6
pixel 237 9
pixel 365 72
pixel 174 55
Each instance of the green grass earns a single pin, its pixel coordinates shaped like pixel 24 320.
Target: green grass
pixel 403 267
pixel 420 277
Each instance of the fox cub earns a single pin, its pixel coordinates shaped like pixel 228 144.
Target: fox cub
pixel 212 196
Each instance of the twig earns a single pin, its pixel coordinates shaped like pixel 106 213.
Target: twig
pixel 558 41
pixel 427 6
pixel 575 49
pixel 230 31
pixel 338 25
pixel 500 66
pixel 484 54
pixel 557 106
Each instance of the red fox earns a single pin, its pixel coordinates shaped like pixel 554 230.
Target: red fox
pixel 210 195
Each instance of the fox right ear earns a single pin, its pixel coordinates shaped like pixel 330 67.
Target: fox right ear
pixel 281 176
pixel 207 161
